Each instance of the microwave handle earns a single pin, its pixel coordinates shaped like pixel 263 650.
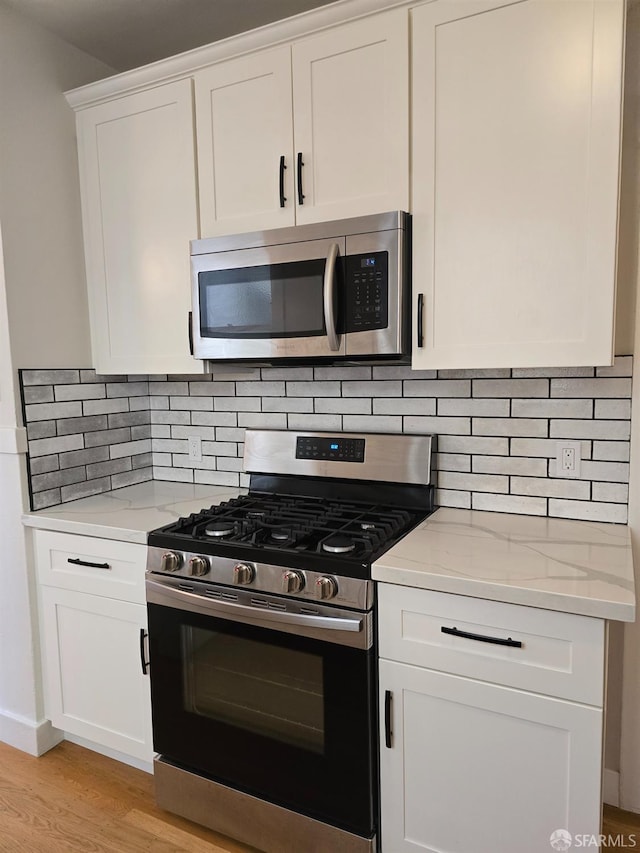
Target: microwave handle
pixel 190 332
pixel 329 301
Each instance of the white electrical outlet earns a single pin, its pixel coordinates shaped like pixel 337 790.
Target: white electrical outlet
pixel 195 448
pixel 568 458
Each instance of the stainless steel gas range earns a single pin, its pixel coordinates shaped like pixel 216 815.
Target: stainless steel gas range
pixel 262 640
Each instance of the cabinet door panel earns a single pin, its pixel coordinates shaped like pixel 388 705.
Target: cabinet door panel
pixel 516 120
pixel 474 766
pixel 244 127
pixel 350 93
pixel 95 687
pixel 139 211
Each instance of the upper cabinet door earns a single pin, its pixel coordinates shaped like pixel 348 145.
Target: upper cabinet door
pixel 516 143
pixel 138 185
pixel 350 103
pixel 245 133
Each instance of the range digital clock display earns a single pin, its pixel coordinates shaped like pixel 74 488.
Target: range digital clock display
pixel 330 449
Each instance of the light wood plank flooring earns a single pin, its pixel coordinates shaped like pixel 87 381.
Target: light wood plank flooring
pixel 72 799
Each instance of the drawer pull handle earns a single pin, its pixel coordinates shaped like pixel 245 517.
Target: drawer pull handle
pixel 77 562
pixel 498 641
pixel 387 719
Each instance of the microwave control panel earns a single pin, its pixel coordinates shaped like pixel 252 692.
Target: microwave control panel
pixel 367 292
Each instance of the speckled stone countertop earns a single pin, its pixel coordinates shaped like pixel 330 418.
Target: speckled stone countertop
pixel 572 566
pixel 128 514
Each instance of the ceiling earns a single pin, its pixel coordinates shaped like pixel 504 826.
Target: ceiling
pixel 128 33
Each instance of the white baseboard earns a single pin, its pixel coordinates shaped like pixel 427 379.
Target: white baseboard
pixel 36 738
pixel 611 787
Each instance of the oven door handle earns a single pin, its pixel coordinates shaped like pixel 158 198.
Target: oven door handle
pixel 159 593
pixel 329 297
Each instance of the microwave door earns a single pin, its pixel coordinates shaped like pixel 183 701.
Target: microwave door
pixel 269 302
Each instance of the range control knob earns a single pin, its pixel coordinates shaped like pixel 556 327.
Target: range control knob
pixel 198 566
pixel 243 573
pixel 170 562
pixel 326 587
pixel 292 581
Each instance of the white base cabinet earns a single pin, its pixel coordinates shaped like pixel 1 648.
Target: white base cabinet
pixel 93 622
pixel 95 687
pixel 478 765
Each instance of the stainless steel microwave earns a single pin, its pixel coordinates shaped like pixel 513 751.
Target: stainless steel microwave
pixel 331 291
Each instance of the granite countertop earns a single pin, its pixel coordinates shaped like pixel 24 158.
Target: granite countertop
pixel 557 564
pixel 128 514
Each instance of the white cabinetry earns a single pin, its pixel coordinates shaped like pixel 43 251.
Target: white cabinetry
pixel 93 624
pixel 487 747
pixel 327 115
pixel 138 184
pixel 515 158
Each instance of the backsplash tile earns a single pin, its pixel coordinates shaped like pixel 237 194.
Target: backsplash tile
pixel 498 429
pixel 84 436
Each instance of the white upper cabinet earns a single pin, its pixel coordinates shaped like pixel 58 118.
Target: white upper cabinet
pixel 515 170
pixel 351 118
pixel 312 131
pixel 245 143
pixel 138 183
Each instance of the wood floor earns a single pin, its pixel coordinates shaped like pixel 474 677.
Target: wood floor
pixel 72 799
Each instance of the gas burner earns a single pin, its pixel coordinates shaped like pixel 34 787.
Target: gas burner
pixel 219 529
pixel 280 534
pixel 338 544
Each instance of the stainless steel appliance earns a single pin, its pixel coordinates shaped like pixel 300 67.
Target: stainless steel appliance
pixel 262 642
pixel 331 291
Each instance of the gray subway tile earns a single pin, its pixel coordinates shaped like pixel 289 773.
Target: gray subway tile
pixel 216 419
pixel 613 409
pixel 594 388
pixel 339 373
pixel 622 366
pixel 260 389
pixel 510 387
pixel 229 463
pixel 128 419
pixel 38 394
pixel 175 475
pixel 287 374
pixel 521 466
pixel 128 389
pixel 191 403
pixel 372 423
pixel 43 464
pixel 41 429
pixel 473 482
pixel 139 404
pixel 263 420
pixel 49 377
pixel 616 430
pixel 557 408
pixel 51 411
pixel 301 421
pixel 171 417
pixel 610 492
pixel 41 500
pixel 613 472
pixel 546 487
pixel 437 426
pixel 522 427
pixel 437 388
pixel 171 389
pixel 519 504
pixel 313 389
pixel 79 392
pixel 212 389
pixel 229 434
pixel 611 451
pixel 545 447
pixel 453 498
pixel 217 478
pixel 236 404
pixel 480 444
pixel 142 431
pixel 220 448
pixel 67 426
pixel 59 444
pixel 481 407
pixel 588 510
pixel 103 407
pixel 423 406
pixel 454 462
pixel 179 460
pixel 161 403
pixel 342 405
pixel 374 388
pixel 290 404
pixel 402 372
pixel 206 433
pixel 481 373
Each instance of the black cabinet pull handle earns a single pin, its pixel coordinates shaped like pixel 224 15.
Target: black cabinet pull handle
pixel 78 562
pixel 497 641
pixel 420 320
pixel 300 165
pixel 283 198
pixel 145 663
pixel 191 332
pixel 387 719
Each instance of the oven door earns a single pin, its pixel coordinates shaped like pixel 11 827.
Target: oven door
pixel 269 302
pixel 278 705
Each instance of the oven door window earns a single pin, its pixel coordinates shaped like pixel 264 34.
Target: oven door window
pixel 285 718
pixel 281 300
pixel 257 687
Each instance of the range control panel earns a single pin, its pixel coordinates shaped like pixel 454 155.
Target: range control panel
pixel 333 449
pixel 367 291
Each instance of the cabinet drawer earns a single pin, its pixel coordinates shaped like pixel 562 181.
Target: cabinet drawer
pixel 87 564
pixel 557 654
